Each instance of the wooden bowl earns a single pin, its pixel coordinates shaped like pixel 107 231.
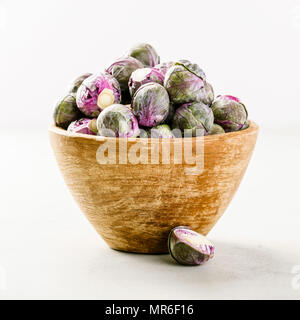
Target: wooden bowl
pixel 134 206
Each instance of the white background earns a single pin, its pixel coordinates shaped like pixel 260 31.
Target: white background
pixel 250 49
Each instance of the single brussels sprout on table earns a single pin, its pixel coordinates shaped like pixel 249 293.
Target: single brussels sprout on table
pixel 150 104
pixel 96 93
pixel 216 129
pixel 184 82
pixel 230 113
pixel 66 111
pixel 160 131
pixel 117 121
pixel 84 126
pixel 195 118
pixel 143 76
pixel 188 247
pixel 122 70
pixel 145 53
pixel 76 83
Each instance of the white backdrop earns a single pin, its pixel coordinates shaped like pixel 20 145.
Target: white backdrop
pixel 248 49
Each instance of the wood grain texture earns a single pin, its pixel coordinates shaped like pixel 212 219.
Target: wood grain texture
pixel 133 207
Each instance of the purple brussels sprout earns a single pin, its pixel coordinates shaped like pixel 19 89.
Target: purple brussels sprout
pixel 96 93
pixel 145 53
pixel 160 131
pixel 84 126
pixel 195 118
pixel 76 83
pixel 66 111
pixel 184 82
pixel 188 247
pixel 150 104
pixel 122 70
pixel 216 129
pixel 142 76
pixel 164 67
pixel 117 121
pixel 230 113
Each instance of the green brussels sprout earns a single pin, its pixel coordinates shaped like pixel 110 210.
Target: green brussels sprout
pixel 144 133
pixel 188 247
pixel 150 104
pixel 245 126
pixel 122 70
pixel 207 94
pixel 160 131
pixel 66 111
pixel 145 53
pixel 84 126
pixel 117 121
pixel 76 83
pixel 192 67
pixel 216 129
pixel 164 67
pixel 230 113
pixel 194 119
pixel 185 82
pixel 142 76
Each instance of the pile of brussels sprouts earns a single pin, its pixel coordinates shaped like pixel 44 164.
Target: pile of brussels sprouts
pixel 137 96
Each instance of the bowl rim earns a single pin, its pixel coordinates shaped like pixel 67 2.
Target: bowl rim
pixel 252 129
